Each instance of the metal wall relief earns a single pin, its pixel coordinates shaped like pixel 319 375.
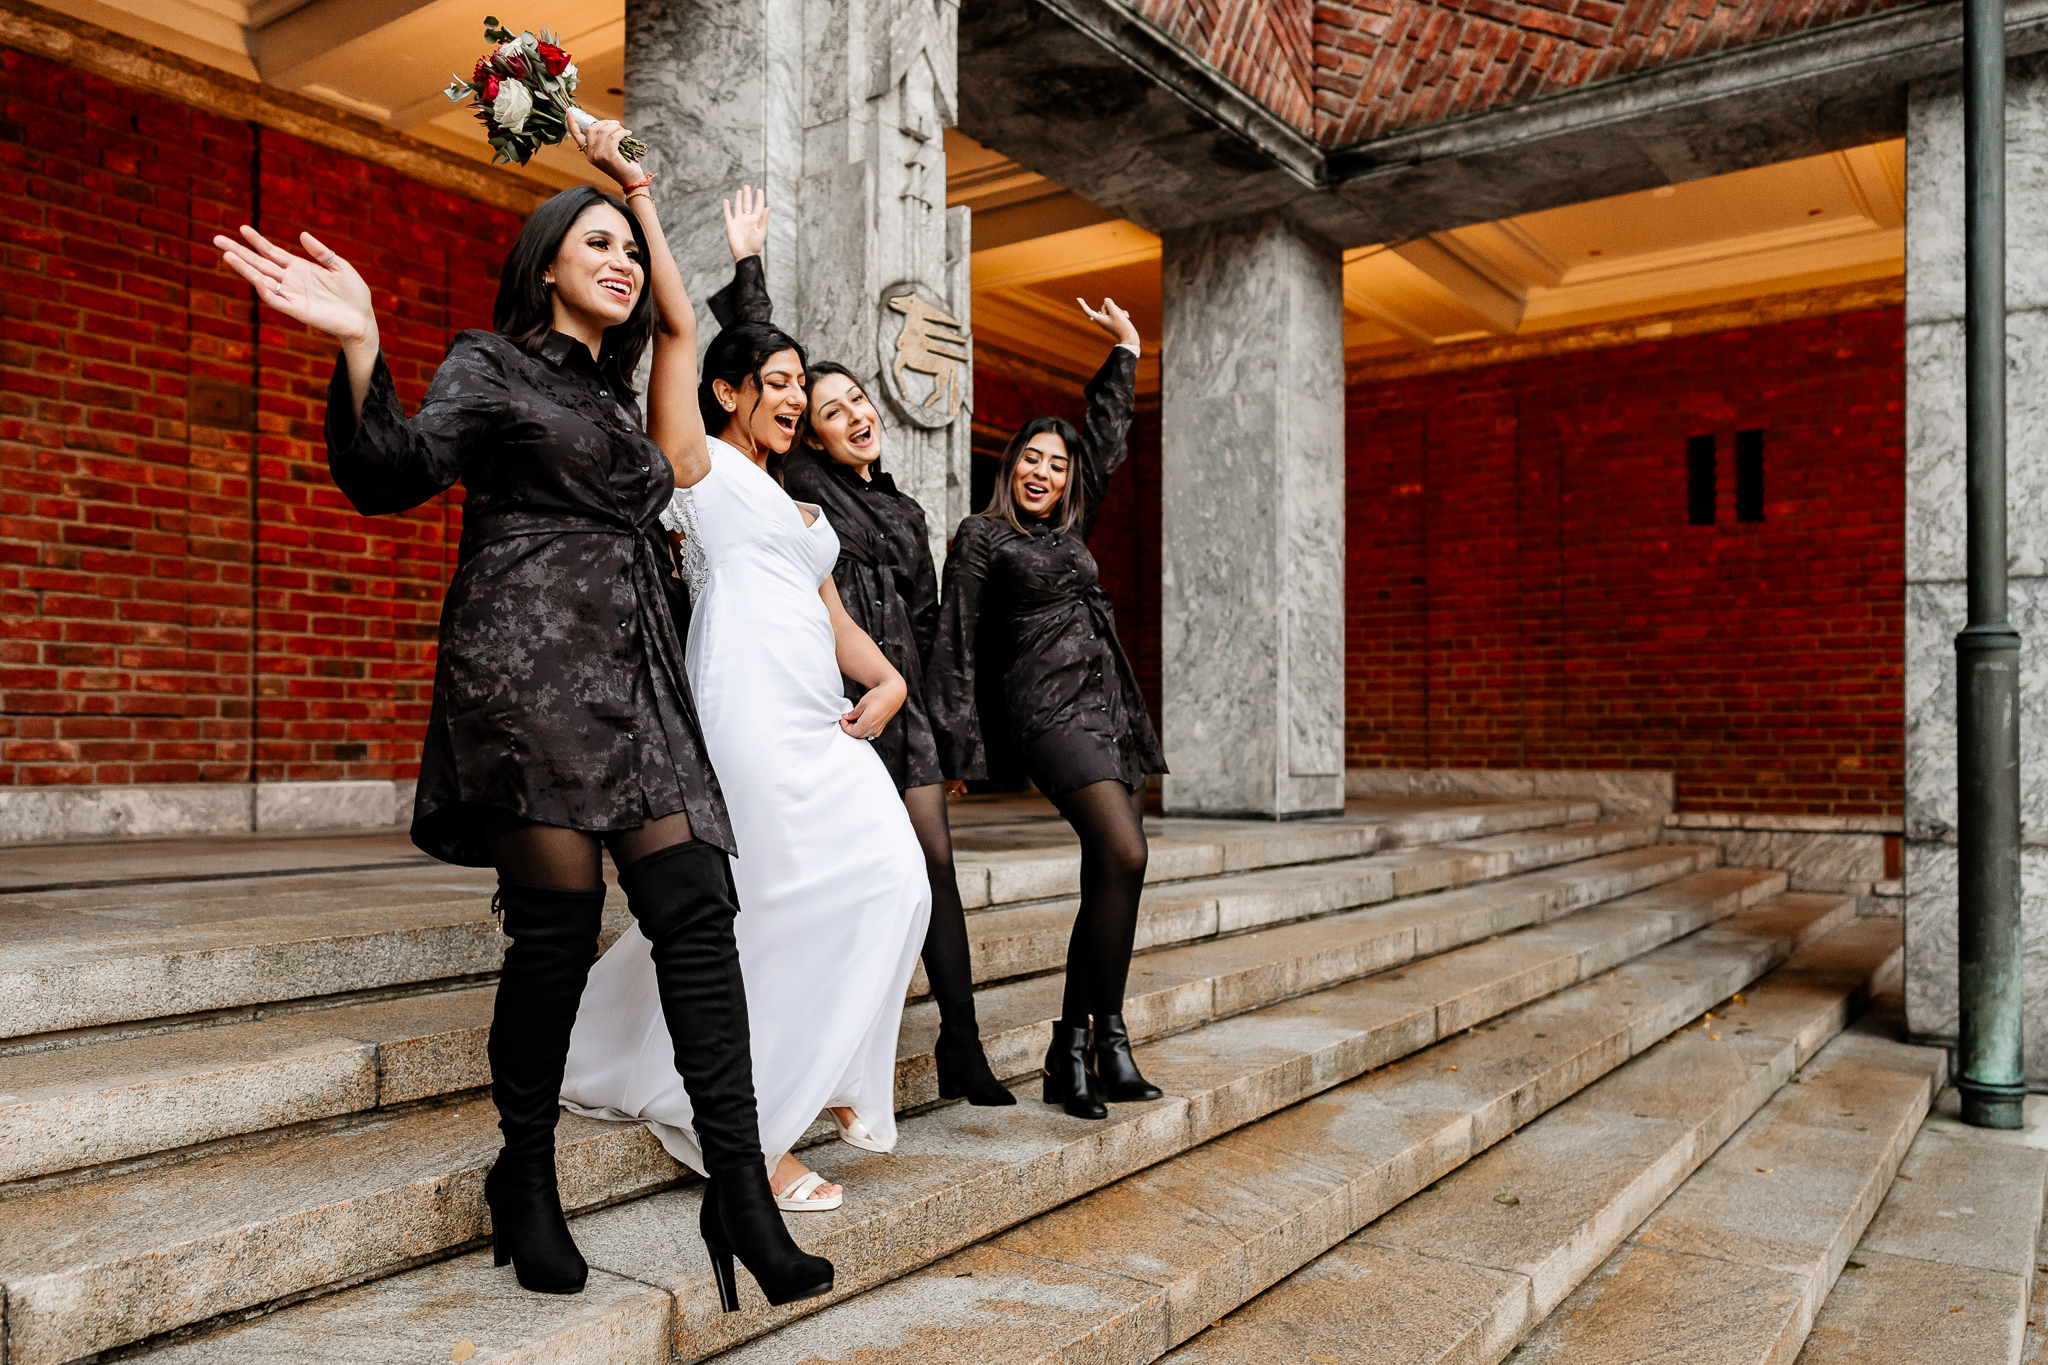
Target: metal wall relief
pixel 916 336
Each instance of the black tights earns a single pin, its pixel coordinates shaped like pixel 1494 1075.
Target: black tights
pixel 567 859
pixel 1109 818
pixel 946 964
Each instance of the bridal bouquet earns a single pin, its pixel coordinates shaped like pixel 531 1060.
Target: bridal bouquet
pixel 525 92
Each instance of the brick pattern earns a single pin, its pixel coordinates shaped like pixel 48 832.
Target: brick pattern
pixel 171 613
pixel 1523 589
pixel 1378 66
pixel 1126 539
pixel 1267 48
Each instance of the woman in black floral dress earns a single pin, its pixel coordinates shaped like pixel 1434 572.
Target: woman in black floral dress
pixel 1025 629
pixel 562 722
pixel 890 589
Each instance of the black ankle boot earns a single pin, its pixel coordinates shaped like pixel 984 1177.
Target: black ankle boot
pixel 683 898
pixel 1116 1072
pixel 554 940
pixel 1067 1081
pixel 963 1066
pixel 739 1217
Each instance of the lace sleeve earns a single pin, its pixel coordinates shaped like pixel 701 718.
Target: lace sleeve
pixel 681 515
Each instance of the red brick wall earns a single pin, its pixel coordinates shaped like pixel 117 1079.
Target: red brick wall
pixel 1523 588
pixel 168 613
pixel 1126 539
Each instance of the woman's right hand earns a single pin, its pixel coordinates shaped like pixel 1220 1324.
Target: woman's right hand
pixel 746 226
pixel 1112 320
pixel 325 292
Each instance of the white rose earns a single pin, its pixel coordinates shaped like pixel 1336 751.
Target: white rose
pixel 512 106
pixel 569 76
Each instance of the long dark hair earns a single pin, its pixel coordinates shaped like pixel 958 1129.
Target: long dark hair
pixel 815 371
pixel 1067 511
pixel 737 355
pixel 525 314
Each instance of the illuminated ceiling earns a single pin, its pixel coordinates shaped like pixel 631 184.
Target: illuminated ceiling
pixel 1825 220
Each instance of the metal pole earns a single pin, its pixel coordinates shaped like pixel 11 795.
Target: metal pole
pixel 1988 650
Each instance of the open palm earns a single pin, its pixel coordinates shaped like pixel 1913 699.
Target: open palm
pixel 325 292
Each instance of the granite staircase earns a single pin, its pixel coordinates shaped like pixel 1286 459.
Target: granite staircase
pixel 242 1115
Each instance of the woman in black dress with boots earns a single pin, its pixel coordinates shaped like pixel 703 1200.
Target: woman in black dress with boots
pixel 887 583
pixel 562 722
pixel 1025 627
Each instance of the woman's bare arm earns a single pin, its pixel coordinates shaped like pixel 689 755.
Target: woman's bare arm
pixel 861 660
pixel 673 422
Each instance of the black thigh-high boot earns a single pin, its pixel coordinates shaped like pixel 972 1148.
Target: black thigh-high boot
pixel 682 896
pixel 554 941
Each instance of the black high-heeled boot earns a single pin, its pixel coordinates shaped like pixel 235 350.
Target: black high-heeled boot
pixel 739 1216
pixel 683 898
pixel 1116 1071
pixel 1067 1081
pixel 554 941
pixel 963 1066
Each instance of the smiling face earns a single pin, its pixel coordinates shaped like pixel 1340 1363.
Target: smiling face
pixel 844 423
pixel 764 413
pixel 597 274
pixel 1041 474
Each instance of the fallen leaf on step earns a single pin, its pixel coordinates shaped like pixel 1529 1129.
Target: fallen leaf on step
pixel 1710 1016
pixel 1217 1323
pixel 1765 1170
pixel 1715 1036
pixel 1542 1035
pixel 1957 1309
pixel 1450 1068
pixel 1781 1298
pixel 1853 1265
pixel 464 1349
pixel 1738 999
pixel 1323 1360
pixel 1906 1177
pixel 1315 1009
pixel 1507 1199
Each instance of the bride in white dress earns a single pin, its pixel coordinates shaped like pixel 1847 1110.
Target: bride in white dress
pixel 832 887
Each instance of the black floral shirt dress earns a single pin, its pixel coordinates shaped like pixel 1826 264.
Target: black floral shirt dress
pixel 559 693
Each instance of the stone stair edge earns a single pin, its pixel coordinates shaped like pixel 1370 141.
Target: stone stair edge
pixel 625 1149
pixel 699 1330
pixel 359 1058
pixel 64 984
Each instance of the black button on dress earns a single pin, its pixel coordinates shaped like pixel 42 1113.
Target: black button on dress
pixel 890 590
pixel 1025 627
pixel 559 692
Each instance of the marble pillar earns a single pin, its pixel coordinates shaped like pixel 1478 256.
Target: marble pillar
pixel 1935 529
pixel 1252 521
pixel 838 107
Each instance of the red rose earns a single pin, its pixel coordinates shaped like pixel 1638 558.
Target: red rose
pixel 489 91
pixel 557 60
pixel 483 69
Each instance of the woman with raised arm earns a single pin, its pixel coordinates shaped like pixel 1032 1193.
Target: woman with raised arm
pixel 828 868
pixel 890 589
pixel 1024 621
pixel 562 720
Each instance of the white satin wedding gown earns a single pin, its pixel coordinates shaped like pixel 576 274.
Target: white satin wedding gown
pixel 832 886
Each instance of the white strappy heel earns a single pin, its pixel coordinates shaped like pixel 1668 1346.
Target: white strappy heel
pixel 795 1196
pixel 856 1133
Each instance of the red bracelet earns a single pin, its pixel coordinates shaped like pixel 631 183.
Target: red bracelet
pixel 638 184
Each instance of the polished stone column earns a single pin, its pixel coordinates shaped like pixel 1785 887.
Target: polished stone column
pixel 1935 513
pixel 838 107
pixel 1252 521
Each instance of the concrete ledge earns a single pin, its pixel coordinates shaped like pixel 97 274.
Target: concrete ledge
pixel 40 815
pixel 1843 854
pixel 1622 793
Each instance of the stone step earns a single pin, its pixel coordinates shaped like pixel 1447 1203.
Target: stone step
pixel 1459 1274
pixel 89 1266
pixel 127 1097
pixel 1118 1274
pixel 83 959
pixel 1126 1273
pixel 1028 939
pixel 1945 1270
pixel 1733 1267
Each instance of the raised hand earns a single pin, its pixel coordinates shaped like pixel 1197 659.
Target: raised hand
pixel 600 144
pixel 1112 320
pixel 746 222
pixel 325 292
